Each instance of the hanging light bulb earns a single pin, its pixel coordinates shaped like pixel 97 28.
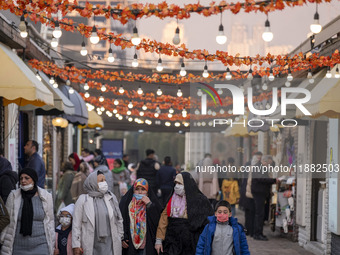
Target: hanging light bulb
pixel 169 115
pixel 221 38
pixel 38 75
pixel 135 61
pixel 228 74
pixel 183 72
pixel 220 91
pixel 287 84
pixel 184 113
pixel 176 40
pixel 337 74
pixel 103 88
pixel 205 73
pixel 140 91
pixel 144 107
pixel 101 99
pixel 111 58
pixel 328 74
pixel 102 108
pixel 250 74
pixel 199 93
pixel 83 50
pixel 310 76
pixel 68 82
pixel 179 92
pixel 128 112
pixel 159 67
pixel 135 38
pixel 116 102
pixel 158 109
pixel 265 86
pixel 86 86
pixel 57 31
pixel 54 42
pixel 267 35
pixel 156 115
pixel 94 39
pixel 52 80
pixel 159 91
pixel 114 111
pixel 87 94
pixel 289 77
pixel 99 113
pixel 55 85
pixel 171 110
pixel 271 76
pixel 23 27
pixel 130 105
pixel 141 113
pixel 71 90
pixel 315 27
pixel 121 89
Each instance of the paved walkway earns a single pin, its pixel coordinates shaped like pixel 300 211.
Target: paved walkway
pixel 276 244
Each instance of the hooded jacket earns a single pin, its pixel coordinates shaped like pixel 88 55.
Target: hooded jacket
pixel 206 238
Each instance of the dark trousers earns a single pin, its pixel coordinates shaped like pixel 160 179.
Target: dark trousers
pixel 165 195
pixel 249 216
pixel 259 200
pixel 266 208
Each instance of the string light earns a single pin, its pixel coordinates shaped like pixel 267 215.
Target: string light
pixel 128 112
pixel 135 61
pixel 103 88
pixel 310 76
pixel 23 27
pixel 57 31
pixel 176 40
pixel 316 27
pixel 250 74
pixel 156 114
pixel 184 113
pixel 328 74
pixel 102 108
pixel 114 111
pixel 287 84
pixel 87 94
pixel 337 74
pixel 220 91
pixel 94 39
pixel 140 91
pixel 141 113
pixel 38 75
pixel 205 73
pixel 159 67
pixel 221 38
pixel 68 82
pixel 55 85
pixel 110 58
pixel 159 91
pixel 116 102
pixel 267 35
pixel 121 89
pixel 264 86
pixel 52 80
pixel 199 93
pixel 144 107
pixel 183 72
pixel 135 37
pixel 171 110
pixel 130 105
pixel 271 76
pixel 71 90
pixel 169 115
pixel 101 99
pixel 179 92
pixel 289 77
pixel 86 86
pixel 228 75
pixel 54 42
pixel 83 50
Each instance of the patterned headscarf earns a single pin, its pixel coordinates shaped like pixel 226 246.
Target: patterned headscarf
pixel 137 214
pixel 141 183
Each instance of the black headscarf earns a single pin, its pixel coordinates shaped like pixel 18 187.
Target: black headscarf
pixel 27 208
pixel 152 219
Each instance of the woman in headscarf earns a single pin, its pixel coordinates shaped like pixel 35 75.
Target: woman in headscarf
pixel 97 222
pixel 141 211
pixel 77 187
pixel 120 175
pixel 74 159
pixel 64 187
pixel 31 230
pixel 183 218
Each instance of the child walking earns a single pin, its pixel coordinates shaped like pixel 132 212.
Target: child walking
pixel 223 235
pixel 63 243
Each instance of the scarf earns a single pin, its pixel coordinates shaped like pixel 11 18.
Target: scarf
pixel 137 214
pixel 120 169
pixel 178 206
pixel 27 211
pixel 77 160
pixel 100 209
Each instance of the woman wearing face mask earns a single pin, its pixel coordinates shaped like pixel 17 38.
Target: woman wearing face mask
pixel 141 211
pixel 31 230
pixel 183 218
pixel 63 239
pixel 97 226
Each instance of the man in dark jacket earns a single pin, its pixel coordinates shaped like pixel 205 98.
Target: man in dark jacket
pixel 35 161
pixel 8 178
pixel 165 179
pixel 148 168
pixel 260 189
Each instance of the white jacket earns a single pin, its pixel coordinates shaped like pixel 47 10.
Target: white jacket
pixel 83 224
pixel 13 206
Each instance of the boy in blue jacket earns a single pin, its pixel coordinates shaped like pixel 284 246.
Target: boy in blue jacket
pixel 223 235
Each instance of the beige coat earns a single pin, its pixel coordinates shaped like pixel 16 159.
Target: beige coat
pixel 13 206
pixel 207 181
pixel 83 225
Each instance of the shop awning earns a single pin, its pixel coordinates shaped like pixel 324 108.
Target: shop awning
pixel 80 116
pixel 18 84
pixel 95 121
pixel 61 103
pixel 325 100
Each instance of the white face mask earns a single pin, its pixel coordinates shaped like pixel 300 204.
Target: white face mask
pixel 103 187
pixel 27 187
pixel 179 189
pixel 65 221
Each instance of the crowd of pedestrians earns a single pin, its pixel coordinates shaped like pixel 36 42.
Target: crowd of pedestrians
pixel 150 208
